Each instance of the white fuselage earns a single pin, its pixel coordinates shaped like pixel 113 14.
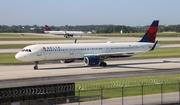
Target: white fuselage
pixel 65 32
pixel 40 52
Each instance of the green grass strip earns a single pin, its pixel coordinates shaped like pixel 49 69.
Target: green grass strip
pixel 170 42
pixel 160 53
pixel 8 59
pixel 127 90
pixel 12 46
pixel 20 35
pixel 134 34
pixel 35 39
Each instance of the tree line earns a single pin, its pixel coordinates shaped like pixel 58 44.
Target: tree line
pixel 85 28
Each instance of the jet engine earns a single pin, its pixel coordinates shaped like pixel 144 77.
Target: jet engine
pixel 91 60
pixel 67 35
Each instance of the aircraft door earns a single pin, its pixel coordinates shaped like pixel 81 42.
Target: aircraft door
pixel 71 51
pixel 107 49
pixel 39 51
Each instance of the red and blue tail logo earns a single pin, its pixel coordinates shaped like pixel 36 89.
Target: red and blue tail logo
pixel 47 28
pixel 150 35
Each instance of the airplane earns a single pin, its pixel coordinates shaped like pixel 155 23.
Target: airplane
pixel 66 34
pixel 89 53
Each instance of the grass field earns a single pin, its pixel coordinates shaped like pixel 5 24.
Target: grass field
pixel 135 35
pixel 12 46
pixel 46 38
pixel 8 59
pixel 169 42
pixel 31 37
pixel 93 87
pixel 160 53
pixel 19 35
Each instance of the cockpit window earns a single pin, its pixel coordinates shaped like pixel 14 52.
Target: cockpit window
pixel 26 50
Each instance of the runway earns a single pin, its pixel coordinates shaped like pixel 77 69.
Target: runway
pixel 24 75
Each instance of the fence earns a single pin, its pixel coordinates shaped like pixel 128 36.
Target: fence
pixel 101 93
pixel 121 90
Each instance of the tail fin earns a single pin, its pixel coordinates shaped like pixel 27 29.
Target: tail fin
pixel 47 28
pixel 150 35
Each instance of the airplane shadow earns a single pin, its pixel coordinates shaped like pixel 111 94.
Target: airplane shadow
pixel 62 68
pixel 122 65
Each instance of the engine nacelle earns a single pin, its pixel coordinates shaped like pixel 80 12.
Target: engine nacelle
pixel 91 60
pixel 67 61
pixel 68 35
pixel 71 35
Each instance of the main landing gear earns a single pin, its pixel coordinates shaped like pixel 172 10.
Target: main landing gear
pixel 36 65
pixel 103 64
pixel 66 36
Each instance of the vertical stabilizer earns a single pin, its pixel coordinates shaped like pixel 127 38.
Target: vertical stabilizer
pixel 47 28
pixel 150 35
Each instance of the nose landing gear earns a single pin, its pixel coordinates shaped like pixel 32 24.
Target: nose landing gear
pixel 36 65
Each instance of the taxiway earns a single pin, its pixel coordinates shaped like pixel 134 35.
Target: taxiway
pixel 25 75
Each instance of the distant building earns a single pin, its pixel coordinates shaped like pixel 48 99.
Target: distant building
pixel 166 25
pixel 89 32
pixel 121 31
pixel 32 28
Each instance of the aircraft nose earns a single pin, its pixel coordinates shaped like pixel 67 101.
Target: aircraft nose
pixel 18 56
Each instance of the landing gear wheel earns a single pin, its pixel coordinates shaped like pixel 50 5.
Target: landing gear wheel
pixel 103 64
pixel 35 67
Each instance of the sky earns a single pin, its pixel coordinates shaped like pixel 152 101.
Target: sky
pixel 89 12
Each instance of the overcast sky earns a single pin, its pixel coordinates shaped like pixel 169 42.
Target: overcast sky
pixel 89 12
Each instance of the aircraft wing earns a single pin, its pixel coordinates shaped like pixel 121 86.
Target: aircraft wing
pixel 120 54
pixel 115 54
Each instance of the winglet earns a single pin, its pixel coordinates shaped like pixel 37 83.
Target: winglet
pixel 75 40
pixel 154 46
pixel 150 35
